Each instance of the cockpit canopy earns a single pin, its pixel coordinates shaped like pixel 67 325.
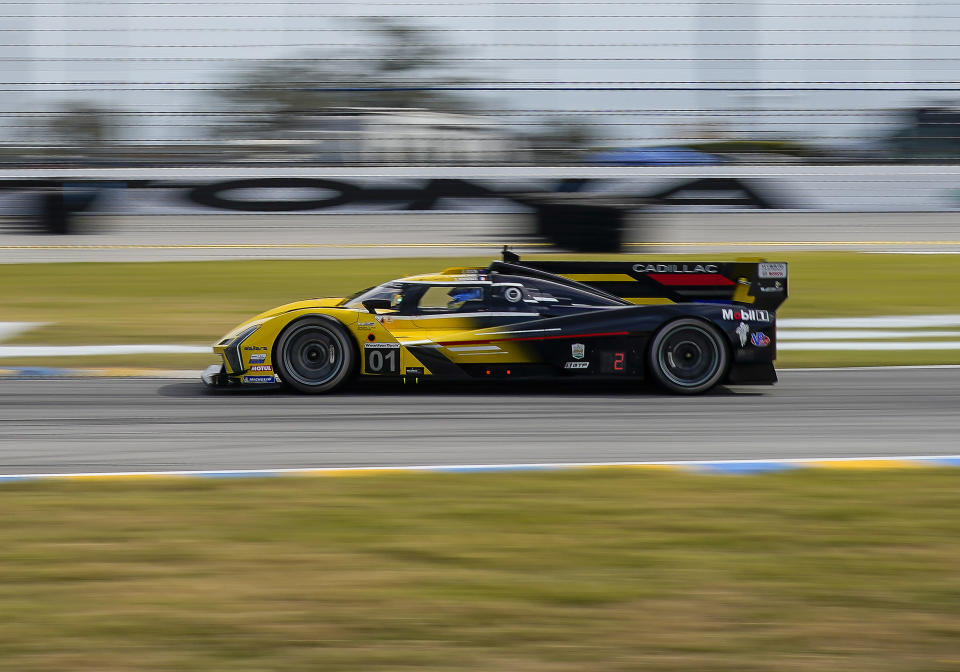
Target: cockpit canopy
pixel 493 293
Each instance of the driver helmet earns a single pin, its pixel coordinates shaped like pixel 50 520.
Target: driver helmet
pixel 462 294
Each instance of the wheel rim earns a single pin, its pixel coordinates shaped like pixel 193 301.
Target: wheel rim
pixel 689 356
pixel 312 355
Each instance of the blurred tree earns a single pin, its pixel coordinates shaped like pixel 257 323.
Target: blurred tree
pixel 562 140
pixel 80 123
pixel 278 95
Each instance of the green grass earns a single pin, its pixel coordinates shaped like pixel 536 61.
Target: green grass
pixel 805 359
pixel 610 570
pixel 196 302
pixel 177 302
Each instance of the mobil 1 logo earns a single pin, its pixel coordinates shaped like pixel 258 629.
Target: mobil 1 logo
pixel 381 358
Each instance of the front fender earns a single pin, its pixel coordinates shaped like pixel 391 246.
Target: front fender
pixel 254 355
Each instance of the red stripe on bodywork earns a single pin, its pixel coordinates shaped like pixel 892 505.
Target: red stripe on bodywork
pixel 534 338
pixel 698 279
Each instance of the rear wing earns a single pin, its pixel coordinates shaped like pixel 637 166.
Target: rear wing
pixel 761 284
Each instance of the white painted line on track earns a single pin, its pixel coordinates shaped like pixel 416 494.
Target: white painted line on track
pixel 82 350
pixel 871 346
pixel 868 368
pixel 47 373
pixel 333 471
pixel 876 322
pixel 854 334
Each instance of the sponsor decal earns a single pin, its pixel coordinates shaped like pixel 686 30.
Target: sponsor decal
pixel 746 314
pixel 576 365
pixel 742 332
pixel 414 371
pixel 261 367
pixel 759 339
pixel 772 270
pixel 258 379
pixel 435 194
pixel 258 359
pixel 771 290
pixel 675 268
pixel 379 358
pixel 366 325
pixel 577 350
pixel 254 348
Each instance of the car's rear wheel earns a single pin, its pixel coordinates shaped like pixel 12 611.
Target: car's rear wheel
pixel 688 356
pixel 314 355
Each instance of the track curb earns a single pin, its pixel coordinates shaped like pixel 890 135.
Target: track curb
pixel 21 372
pixel 709 467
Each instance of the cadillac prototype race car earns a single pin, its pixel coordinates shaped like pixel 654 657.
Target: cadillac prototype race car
pixel 687 326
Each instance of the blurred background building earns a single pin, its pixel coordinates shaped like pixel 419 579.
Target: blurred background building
pixel 548 82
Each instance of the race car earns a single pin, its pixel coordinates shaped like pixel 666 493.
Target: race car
pixel 685 325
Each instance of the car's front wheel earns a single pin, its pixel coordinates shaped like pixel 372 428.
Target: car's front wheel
pixel 688 356
pixel 314 355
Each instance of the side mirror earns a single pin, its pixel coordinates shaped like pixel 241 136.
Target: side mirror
pixel 372 304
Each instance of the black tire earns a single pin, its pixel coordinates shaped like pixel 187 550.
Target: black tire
pixel 314 355
pixel 688 357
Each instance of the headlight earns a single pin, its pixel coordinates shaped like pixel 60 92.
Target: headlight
pixel 232 351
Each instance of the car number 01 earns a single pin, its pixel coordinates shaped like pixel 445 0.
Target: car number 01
pixel 382 360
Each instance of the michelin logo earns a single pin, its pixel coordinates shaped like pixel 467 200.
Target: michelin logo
pixel 258 379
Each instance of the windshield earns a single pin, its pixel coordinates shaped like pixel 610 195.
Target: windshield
pixel 390 291
pixel 446 299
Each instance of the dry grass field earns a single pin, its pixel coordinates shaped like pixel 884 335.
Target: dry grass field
pixel 606 570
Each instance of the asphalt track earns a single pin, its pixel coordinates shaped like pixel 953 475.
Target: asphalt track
pixel 95 425
pixel 446 234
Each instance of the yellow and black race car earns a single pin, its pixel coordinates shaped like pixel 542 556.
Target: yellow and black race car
pixel 685 325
